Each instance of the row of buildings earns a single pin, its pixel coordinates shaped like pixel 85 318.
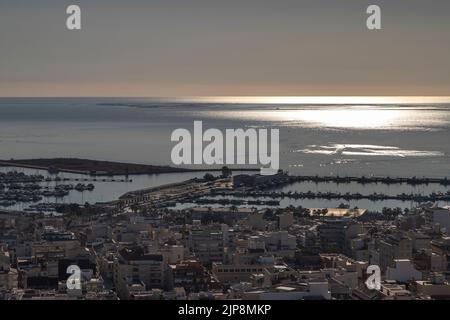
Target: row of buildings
pixel 236 253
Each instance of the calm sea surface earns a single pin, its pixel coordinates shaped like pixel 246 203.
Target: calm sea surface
pixel 383 140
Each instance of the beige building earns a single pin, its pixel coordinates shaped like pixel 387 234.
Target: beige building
pixel 392 248
pixel 134 266
pixel 231 274
pixel 207 243
pixel 57 245
pixel 438 287
pixel 173 254
pixel 394 291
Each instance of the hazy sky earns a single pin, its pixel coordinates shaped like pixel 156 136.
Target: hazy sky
pixel 226 47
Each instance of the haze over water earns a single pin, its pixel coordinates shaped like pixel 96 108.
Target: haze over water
pixel 347 139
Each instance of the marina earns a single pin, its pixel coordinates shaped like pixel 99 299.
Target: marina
pixel 370 180
pixel 222 192
pixel 347 196
pixel 31 187
pixel 32 190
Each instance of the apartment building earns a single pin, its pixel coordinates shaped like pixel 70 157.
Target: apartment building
pixel 134 265
pixel 189 274
pixel 206 243
pixel 392 247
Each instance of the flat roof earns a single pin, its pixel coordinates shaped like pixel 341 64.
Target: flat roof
pixel 337 212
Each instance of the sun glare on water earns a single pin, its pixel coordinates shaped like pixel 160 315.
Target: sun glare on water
pixel 337 112
pixel 319 100
pixel 344 118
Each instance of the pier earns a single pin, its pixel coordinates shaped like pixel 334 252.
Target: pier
pixel 333 196
pixel 170 194
pixel 12 177
pixel 367 180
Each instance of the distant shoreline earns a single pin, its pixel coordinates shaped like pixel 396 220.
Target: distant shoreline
pixel 100 168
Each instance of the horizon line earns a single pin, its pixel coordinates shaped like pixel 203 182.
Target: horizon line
pixel 251 99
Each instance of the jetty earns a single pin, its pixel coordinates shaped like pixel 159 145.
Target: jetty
pixel 433 197
pixel 374 179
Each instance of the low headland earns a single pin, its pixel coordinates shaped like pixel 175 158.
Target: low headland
pixel 91 167
pixel 99 167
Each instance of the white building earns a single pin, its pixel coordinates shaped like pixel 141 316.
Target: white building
pixel 439 216
pixel 280 240
pixel 403 271
pixel 310 290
